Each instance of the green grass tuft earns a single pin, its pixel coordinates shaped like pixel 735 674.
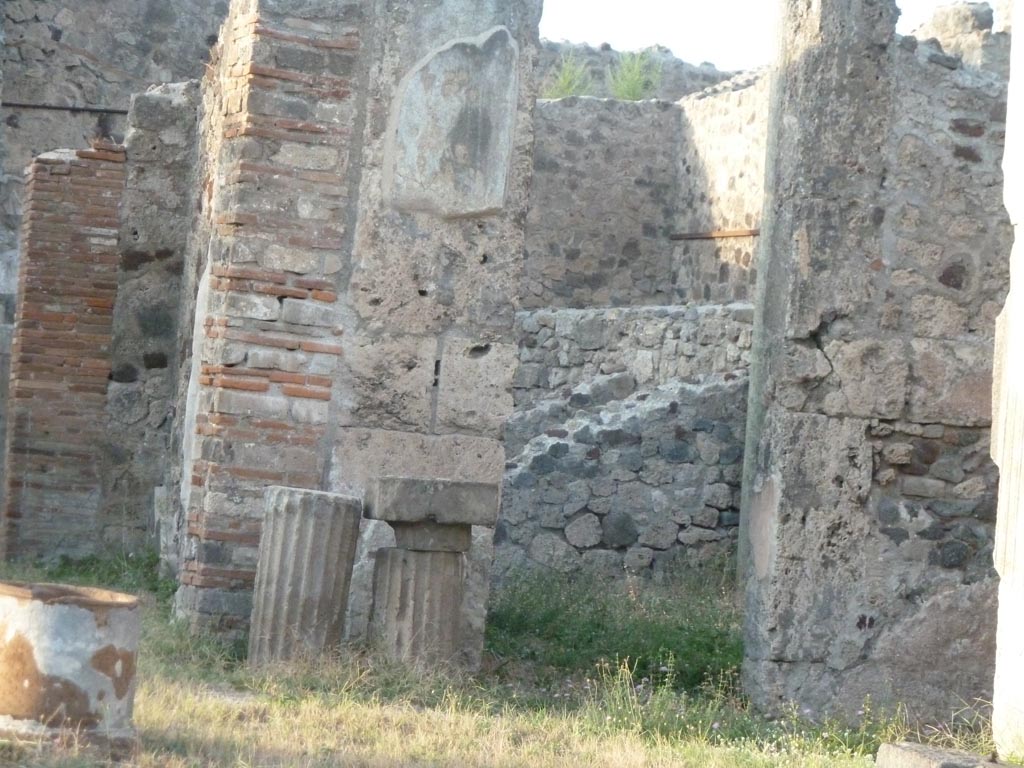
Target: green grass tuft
pixel 574 624
pixel 570 79
pixel 636 76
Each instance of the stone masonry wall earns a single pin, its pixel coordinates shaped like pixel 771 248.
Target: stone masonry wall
pixel 868 491
pixel 602 203
pixel 357 307
pixel 561 349
pixel 266 342
pixel 625 448
pixel 156 215
pixel 86 53
pixel 614 180
pixel 721 167
pixel 437 259
pixel 56 434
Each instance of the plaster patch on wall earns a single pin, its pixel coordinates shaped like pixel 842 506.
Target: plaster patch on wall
pixel 450 136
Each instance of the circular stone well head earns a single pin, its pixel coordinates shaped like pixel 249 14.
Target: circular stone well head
pixel 67 663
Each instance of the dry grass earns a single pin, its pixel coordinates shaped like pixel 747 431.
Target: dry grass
pixel 198 705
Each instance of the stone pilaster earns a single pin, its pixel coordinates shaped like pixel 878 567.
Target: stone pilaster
pixel 867 493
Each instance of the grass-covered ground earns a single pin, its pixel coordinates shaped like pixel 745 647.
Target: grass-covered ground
pixel 578 673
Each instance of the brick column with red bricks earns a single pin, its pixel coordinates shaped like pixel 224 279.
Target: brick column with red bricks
pixel 60 358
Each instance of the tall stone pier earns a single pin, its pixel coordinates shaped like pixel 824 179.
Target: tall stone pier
pixel 868 495
pixel 1008 442
pixel 367 173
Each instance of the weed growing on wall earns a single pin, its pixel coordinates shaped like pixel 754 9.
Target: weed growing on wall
pixel 570 79
pixel 636 76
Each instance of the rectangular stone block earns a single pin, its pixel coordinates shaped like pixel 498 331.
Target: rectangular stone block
pixel 448 502
pixel 475 385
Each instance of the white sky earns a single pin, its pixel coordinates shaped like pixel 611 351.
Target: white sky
pixel 731 34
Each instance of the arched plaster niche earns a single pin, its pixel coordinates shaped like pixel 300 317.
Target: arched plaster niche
pixel 451 130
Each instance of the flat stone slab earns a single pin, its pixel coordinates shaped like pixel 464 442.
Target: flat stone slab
pixel 907 755
pixel 448 502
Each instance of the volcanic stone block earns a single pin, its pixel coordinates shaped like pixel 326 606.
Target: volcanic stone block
pixel 417 600
pixel 307 551
pixel 448 502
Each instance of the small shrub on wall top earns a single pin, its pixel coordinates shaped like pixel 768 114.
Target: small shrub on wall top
pixel 570 79
pixel 636 76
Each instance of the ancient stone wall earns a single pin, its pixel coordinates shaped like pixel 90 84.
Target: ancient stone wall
pixel 160 201
pixel 602 203
pixel 614 180
pixel 265 346
pixel 56 437
pixel 721 187
pixel 627 479
pixel 678 78
pixel 87 53
pixel 868 493
pixel 621 327
pixel 625 447
pixel 560 350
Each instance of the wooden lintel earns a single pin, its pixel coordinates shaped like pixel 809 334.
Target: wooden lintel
pixel 720 234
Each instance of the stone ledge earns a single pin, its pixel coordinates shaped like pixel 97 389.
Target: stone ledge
pixel 906 755
pixel 448 502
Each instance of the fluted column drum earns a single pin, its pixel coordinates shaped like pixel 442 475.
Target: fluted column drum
pixel 417 597
pixel 307 551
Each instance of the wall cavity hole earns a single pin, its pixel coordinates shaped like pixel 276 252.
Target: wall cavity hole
pixel 437 372
pixel 479 350
pixel 422 291
pixel 376 302
pixel 483 258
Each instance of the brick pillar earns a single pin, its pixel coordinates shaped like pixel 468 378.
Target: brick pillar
pixel 61 353
pixel 268 328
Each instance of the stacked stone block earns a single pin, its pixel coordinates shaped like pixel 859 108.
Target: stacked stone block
pixel 419 586
pixel 56 433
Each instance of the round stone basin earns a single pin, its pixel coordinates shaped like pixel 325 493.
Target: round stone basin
pixel 67 662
